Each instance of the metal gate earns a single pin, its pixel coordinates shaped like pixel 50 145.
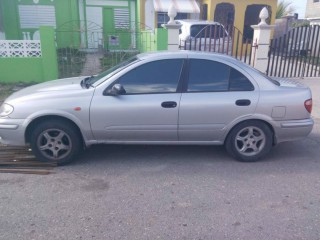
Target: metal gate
pixel 296 54
pixel 84 49
pixel 227 40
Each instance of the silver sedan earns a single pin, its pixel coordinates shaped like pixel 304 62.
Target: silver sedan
pixel 159 98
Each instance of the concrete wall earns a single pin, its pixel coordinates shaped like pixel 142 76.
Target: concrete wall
pixel 313 9
pixel 285 24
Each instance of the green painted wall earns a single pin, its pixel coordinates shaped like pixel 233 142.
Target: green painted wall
pixel 67 11
pixel 13 70
pixel 10 18
pixel 138 10
pixel 123 36
pixel 49 54
pixel 162 39
pixel 16 70
pixel 67 16
pixel 148 41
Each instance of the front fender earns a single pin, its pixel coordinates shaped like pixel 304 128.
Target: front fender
pixel 79 119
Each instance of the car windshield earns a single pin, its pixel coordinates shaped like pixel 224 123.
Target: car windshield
pixel 111 71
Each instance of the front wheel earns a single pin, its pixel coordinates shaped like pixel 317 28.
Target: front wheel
pixel 55 141
pixel 249 141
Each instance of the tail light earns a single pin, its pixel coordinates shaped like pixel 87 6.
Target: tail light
pixel 308 105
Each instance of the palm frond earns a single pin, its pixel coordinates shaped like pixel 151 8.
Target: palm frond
pixel 284 8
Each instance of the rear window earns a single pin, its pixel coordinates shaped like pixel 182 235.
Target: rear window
pixel 201 31
pixel 275 82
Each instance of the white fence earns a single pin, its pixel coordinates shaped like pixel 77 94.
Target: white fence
pixel 20 49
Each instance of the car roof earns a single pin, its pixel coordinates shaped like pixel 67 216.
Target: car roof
pixel 153 56
pixel 197 22
pixel 186 54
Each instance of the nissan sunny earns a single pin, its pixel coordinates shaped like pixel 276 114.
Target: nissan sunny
pixel 159 98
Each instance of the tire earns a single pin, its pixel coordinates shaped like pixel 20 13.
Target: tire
pixel 249 141
pixel 55 141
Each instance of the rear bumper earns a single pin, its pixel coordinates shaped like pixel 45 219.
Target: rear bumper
pixel 293 130
pixel 12 132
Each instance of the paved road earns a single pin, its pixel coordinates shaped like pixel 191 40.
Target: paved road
pixel 166 192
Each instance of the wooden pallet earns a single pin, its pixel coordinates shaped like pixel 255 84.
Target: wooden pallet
pixel 21 160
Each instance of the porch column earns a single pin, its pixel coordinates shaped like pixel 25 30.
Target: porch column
pixel 261 42
pixel 173 30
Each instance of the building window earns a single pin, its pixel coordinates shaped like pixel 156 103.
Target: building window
pixel 315 1
pixel 35 16
pixel 163 17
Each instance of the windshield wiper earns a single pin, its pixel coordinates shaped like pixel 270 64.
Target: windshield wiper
pixel 86 82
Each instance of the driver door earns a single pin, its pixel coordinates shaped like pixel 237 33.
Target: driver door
pixel 147 111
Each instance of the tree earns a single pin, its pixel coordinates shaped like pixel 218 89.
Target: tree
pixel 284 8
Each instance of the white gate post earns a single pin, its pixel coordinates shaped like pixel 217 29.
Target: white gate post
pixel 173 29
pixel 261 41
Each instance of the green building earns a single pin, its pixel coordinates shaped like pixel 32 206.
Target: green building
pixel 73 37
pixel 85 23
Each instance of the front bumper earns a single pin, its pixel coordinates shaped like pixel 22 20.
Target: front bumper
pixel 12 131
pixel 292 130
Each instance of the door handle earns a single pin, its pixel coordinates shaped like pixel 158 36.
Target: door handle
pixel 169 104
pixel 243 102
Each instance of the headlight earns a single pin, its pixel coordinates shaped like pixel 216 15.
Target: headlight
pixel 5 110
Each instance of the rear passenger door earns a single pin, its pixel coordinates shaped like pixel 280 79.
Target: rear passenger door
pixel 215 95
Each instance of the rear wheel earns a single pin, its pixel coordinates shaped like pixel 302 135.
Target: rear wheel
pixel 249 141
pixel 55 141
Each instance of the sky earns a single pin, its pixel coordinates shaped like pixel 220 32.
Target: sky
pixel 300 6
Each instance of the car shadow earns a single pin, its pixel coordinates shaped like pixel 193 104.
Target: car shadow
pixel 284 154
pixel 150 153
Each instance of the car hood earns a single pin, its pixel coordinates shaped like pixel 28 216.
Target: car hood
pixel 60 85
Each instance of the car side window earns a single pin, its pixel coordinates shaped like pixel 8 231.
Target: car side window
pixel 213 76
pixel 154 77
pixel 239 82
pixel 208 76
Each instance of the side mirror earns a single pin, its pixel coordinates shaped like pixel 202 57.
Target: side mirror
pixel 117 89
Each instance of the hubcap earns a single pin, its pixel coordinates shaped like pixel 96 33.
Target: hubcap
pixel 54 144
pixel 250 141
